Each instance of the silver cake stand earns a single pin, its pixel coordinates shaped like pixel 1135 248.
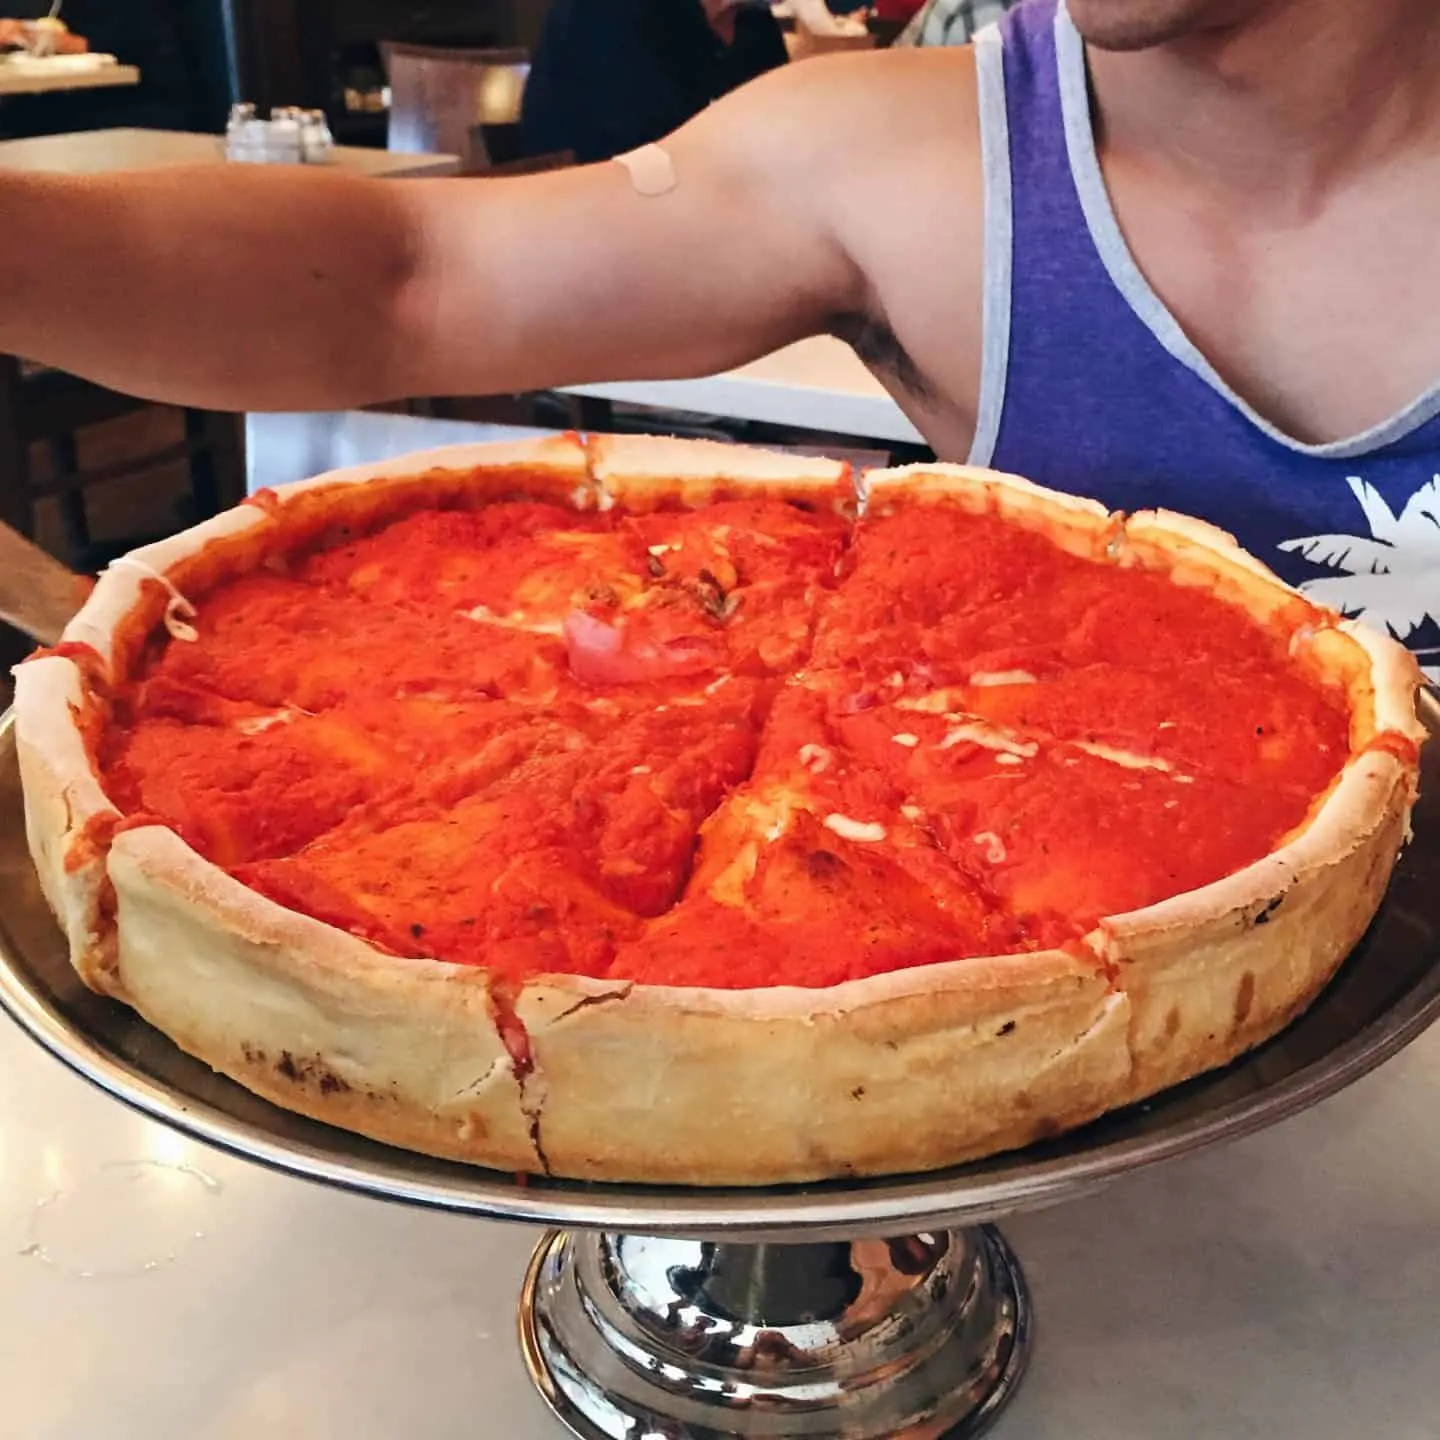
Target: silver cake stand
pixel 850 1311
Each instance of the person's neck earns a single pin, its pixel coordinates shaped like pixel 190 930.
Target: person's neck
pixel 1283 108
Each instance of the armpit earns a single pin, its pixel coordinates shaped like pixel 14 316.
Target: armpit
pixel 880 348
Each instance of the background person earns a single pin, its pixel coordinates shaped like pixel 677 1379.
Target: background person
pixel 608 76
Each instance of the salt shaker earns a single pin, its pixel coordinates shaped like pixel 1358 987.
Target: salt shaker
pixel 242 135
pixel 283 137
pixel 316 141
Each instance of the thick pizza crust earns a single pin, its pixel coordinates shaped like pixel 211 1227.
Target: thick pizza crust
pixel 909 1071
pixel 1083 527
pixel 406 1051
pixel 1212 973
pixel 1192 552
pixel 641 472
pixel 905 1071
pixel 66 811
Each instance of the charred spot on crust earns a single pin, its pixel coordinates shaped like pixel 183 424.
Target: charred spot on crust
pixel 858 1093
pixel 584 1003
pixel 1244 999
pixel 253 1056
pixel 417 930
pixel 1268 909
pixel 539 1144
pixel 310 1072
pixel 1008 1028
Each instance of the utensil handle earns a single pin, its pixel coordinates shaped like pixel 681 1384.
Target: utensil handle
pixel 38 594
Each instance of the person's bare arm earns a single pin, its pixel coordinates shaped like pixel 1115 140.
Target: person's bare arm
pixel 248 288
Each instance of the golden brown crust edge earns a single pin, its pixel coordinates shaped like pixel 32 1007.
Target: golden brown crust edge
pixel 65 810
pixel 903 1072
pixel 1212 974
pixel 641 472
pixel 405 1051
pixel 1083 527
pixel 906 1071
pixel 900 1072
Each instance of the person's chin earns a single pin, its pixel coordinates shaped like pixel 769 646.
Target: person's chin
pixel 1141 24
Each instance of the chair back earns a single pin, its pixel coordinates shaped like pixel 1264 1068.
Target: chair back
pixel 439 97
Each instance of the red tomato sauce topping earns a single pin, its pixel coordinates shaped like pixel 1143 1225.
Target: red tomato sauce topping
pixel 746 745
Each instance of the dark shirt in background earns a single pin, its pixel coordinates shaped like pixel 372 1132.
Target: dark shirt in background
pixel 610 75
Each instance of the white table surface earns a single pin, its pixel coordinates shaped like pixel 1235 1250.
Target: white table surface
pixel 33 75
pixel 97 151
pixel 818 384
pixel 1285 1286
pixel 282 448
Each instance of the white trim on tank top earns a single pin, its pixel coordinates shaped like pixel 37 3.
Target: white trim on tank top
pixel 999 242
pixel 1114 252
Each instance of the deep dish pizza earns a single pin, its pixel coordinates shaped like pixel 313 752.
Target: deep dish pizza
pixel 671 812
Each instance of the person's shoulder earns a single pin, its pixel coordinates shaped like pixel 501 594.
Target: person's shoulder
pixel 902 81
pixel 888 106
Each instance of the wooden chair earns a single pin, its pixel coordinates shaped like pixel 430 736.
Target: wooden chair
pixel 46 407
pixel 440 99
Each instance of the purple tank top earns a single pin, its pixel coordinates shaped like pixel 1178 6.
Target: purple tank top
pixel 1090 385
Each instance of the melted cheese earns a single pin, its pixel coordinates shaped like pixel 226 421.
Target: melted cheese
pixel 179 612
pixel 865 832
pixel 1127 759
pixel 517 620
pixel 984 678
pixel 258 724
pixel 936 702
pixel 815 758
pixel 977 732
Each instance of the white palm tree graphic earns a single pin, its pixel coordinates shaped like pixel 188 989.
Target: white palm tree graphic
pixel 1389 578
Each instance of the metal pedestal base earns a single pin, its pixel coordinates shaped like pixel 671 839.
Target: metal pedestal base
pixel 920 1338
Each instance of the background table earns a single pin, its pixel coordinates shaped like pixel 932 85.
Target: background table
pixel 280 448
pixel 56 73
pixel 819 384
pixel 95 151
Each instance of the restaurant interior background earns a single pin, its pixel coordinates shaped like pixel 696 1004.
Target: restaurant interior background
pixel 1281 1286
